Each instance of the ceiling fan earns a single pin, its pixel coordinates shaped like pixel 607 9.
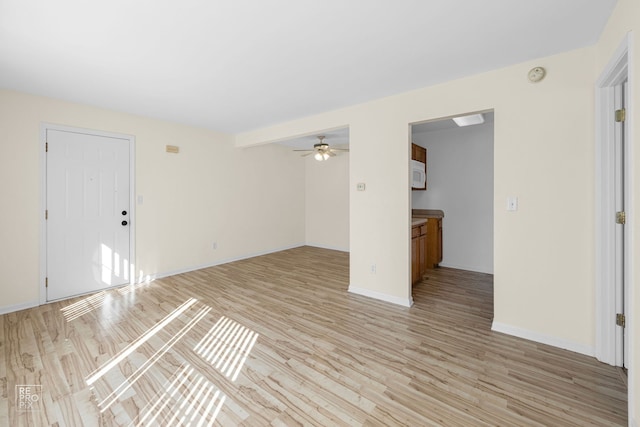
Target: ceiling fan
pixel 322 150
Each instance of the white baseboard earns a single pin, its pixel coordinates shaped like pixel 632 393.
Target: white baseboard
pixel 468 268
pixel 150 277
pixel 543 339
pixel 406 302
pixel 333 248
pixel 17 307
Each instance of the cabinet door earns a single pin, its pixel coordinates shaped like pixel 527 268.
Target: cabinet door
pixel 415 265
pixel 421 154
pixel 422 256
pixel 439 257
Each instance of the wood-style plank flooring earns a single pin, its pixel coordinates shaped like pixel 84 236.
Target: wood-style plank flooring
pixel 277 340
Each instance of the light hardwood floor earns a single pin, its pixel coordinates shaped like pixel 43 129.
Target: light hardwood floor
pixel 277 340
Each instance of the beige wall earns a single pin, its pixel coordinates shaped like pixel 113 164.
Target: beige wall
pixel 327 202
pixel 626 18
pixel 248 200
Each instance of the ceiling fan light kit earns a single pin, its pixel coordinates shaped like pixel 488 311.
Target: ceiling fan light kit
pixel 322 150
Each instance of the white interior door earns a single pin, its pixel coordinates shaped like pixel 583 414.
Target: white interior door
pixel 88 219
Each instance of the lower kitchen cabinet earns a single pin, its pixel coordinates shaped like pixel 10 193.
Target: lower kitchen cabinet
pixel 433 238
pixel 434 245
pixel 419 252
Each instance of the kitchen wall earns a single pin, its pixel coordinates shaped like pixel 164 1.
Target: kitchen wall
pixel 460 182
pixel 248 200
pixel 327 202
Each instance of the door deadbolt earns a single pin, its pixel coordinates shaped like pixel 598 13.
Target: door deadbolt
pixel 124 222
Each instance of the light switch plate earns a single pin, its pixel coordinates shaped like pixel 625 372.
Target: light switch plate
pixel 512 204
pixel 361 186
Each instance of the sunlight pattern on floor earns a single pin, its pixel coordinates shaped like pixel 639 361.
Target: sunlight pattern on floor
pixel 84 306
pixel 124 290
pixel 140 341
pixel 189 399
pixel 226 346
pixel 135 376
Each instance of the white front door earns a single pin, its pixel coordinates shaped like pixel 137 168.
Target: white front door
pixel 88 218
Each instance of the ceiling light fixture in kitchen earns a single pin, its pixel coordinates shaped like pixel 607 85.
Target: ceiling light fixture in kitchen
pixel 472 119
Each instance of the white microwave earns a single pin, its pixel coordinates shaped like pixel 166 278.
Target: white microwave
pixel 418 175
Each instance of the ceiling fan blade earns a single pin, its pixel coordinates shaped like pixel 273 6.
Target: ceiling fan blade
pixel 339 149
pixel 304 150
pixel 331 153
pixel 305 155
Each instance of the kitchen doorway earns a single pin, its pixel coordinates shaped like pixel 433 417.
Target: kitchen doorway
pixel 459 183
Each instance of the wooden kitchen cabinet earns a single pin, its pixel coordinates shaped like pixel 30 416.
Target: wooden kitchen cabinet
pixel 419 252
pixel 434 245
pixel 418 153
pixel 433 234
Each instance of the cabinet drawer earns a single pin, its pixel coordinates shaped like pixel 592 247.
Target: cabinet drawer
pixel 415 232
pixel 423 229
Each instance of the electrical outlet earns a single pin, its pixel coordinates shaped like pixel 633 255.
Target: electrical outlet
pixel 214 245
pixel 361 186
pixel 373 269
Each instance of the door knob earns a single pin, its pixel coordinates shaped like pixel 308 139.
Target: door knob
pixel 124 222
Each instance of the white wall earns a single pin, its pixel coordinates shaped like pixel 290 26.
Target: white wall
pixel 248 200
pixel 460 183
pixel 327 202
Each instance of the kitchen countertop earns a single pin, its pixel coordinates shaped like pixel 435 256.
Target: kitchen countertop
pixel 426 213
pixel 417 221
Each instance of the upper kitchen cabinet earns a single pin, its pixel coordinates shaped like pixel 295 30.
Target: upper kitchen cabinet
pixel 418 153
pixel 418 167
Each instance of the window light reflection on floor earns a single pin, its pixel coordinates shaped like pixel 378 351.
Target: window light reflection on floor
pixel 137 343
pixel 84 306
pixel 226 346
pixel 140 371
pixel 189 397
pixel 124 290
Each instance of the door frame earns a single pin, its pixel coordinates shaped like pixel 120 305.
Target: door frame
pixel 619 68
pixel 43 197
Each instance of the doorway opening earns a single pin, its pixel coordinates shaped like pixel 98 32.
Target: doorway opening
pixel 459 184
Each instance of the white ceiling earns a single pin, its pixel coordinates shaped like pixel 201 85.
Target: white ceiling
pixel 238 65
